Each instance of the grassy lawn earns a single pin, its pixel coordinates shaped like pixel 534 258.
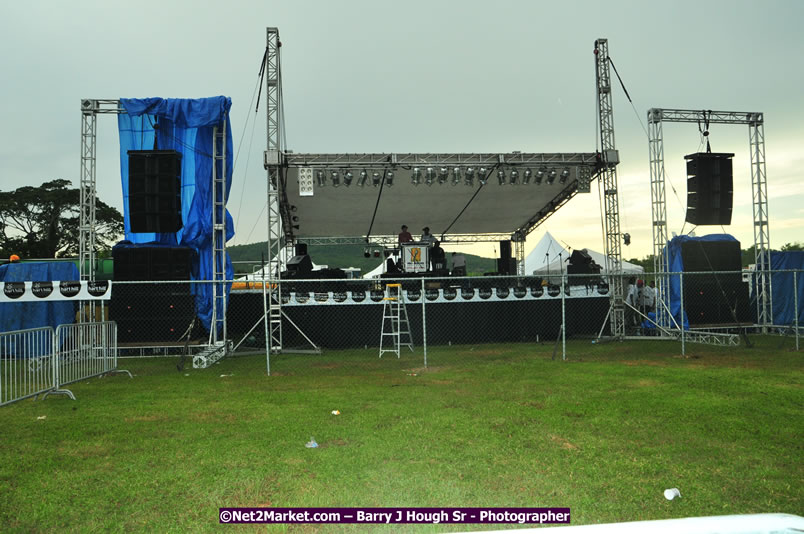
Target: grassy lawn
pixel 491 425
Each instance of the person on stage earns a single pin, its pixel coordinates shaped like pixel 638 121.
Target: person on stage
pixel 427 237
pixel 404 235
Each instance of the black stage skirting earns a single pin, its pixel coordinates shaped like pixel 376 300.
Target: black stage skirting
pixel 359 325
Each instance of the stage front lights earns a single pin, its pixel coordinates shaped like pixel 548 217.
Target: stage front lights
pixel 321 178
pixel 501 176
pixel 564 176
pixel 483 175
pixel 389 178
pixel 361 181
pixel 551 177
pixel 469 176
pixel 456 175
pixel 376 178
pixel 336 178
pixel 514 177
pixel 528 174
pixel 443 173
pixel 416 176
pixel 348 177
pixel 429 176
pixel 539 176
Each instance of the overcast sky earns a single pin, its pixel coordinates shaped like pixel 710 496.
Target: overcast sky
pixel 422 76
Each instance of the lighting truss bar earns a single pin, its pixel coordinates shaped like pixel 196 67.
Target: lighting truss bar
pixel 390 241
pixel 696 116
pixel 291 159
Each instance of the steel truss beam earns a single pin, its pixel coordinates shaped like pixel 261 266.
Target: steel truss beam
pixel 440 160
pixel 759 187
pixel 611 199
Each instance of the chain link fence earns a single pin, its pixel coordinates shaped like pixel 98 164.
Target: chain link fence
pixel 428 320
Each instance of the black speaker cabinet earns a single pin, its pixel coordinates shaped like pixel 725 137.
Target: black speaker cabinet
pixel 718 294
pixel 505 249
pixel 709 188
pixel 154 191
pixel 300 266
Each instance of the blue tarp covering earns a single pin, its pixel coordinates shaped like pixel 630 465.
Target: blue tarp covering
pixel 23 315
pixel 676 265
pixel 185 125
pixel 782 287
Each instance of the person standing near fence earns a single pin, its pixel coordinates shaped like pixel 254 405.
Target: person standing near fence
pixel 649 297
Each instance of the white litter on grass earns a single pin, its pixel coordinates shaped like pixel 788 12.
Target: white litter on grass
pixel 671 493
pixel 311 444
pixel 336 412
pixel 186 374
pixel 227 375
pixel 41 417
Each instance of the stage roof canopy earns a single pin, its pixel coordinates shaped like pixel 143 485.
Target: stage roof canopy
pixel 319 203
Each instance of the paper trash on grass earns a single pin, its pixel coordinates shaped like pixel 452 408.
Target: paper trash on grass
pixel 336 412
pixel 41 417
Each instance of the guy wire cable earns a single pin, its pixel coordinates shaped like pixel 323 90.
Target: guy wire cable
pixel 470 200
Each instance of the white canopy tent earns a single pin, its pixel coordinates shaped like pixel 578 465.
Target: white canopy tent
pixel 549 258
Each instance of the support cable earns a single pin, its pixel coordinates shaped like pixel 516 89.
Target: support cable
pixel 486 179
pixel 376 205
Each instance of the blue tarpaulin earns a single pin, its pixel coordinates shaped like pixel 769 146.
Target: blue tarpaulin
pixel 782 287
pixel 676 265
pixel 24 315
pixel 186 126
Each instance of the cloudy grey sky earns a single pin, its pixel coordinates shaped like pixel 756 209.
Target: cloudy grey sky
pixel 421 76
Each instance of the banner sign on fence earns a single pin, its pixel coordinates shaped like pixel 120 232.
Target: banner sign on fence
pixel 55 290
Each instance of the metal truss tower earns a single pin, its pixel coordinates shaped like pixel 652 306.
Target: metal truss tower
pixel 610 193
pixel 273 162
pixel 759 187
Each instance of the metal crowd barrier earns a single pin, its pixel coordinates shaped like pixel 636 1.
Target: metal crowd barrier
pixel 26 364
pixel 40 360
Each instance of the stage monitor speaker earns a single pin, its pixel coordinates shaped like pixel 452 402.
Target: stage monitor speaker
pixel 505 249
pixel 301 249
pixel 154 191
pixel 300 266
pixel 709 188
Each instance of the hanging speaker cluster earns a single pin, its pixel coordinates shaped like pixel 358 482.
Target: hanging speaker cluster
pixel 154 191
pixel 709 188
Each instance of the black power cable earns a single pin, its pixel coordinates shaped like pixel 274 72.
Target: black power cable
pixel 482 184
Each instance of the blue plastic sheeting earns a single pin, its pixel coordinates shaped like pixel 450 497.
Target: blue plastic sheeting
pixel 185 125
pixel 24 315
pixel 784 312
pixel 676 265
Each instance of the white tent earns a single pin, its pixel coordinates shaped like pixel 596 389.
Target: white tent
pixel 548 256
pixel 380 269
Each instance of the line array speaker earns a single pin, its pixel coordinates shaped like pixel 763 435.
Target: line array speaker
pixel 709 188
pixel 154 191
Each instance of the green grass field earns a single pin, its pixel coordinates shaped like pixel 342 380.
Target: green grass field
pixel 491 425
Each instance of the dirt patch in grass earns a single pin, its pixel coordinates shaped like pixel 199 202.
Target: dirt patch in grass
pixel 533 404
pixel 651 363
pixel 333 443
pixel 146 418
pixel 564 443
pixel 645 383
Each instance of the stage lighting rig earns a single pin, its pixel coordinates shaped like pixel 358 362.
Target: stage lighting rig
pixel 469 176
pixel 564 175
pixel 456 175
pixel 336 178
pixel 347 178
pixel 389 178
pixel 514 177
pixel 416 176
pixel 501 176
pixel 361 181
pixel 528 174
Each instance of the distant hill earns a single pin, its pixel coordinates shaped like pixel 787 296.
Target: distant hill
pixel 336 256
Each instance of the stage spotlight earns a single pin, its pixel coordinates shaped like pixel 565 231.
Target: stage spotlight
pixel 429 176
pixel 469 176
pixel 443 173
pixel 483 175
pixel 627 238
pixel 366 253
pixel 361 181
pixel 564 176
pixel 389 178
pixel 539 176
pixel 456 176
pixel 375 178
pixel 348 177
pixel 321 177
pixel 416 176
pixel 527 176
pixel 336 178
pixel 551 177
pixel 501 176
pixel 514 177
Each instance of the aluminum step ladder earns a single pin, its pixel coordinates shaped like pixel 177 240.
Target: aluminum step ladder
pixel 395 324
